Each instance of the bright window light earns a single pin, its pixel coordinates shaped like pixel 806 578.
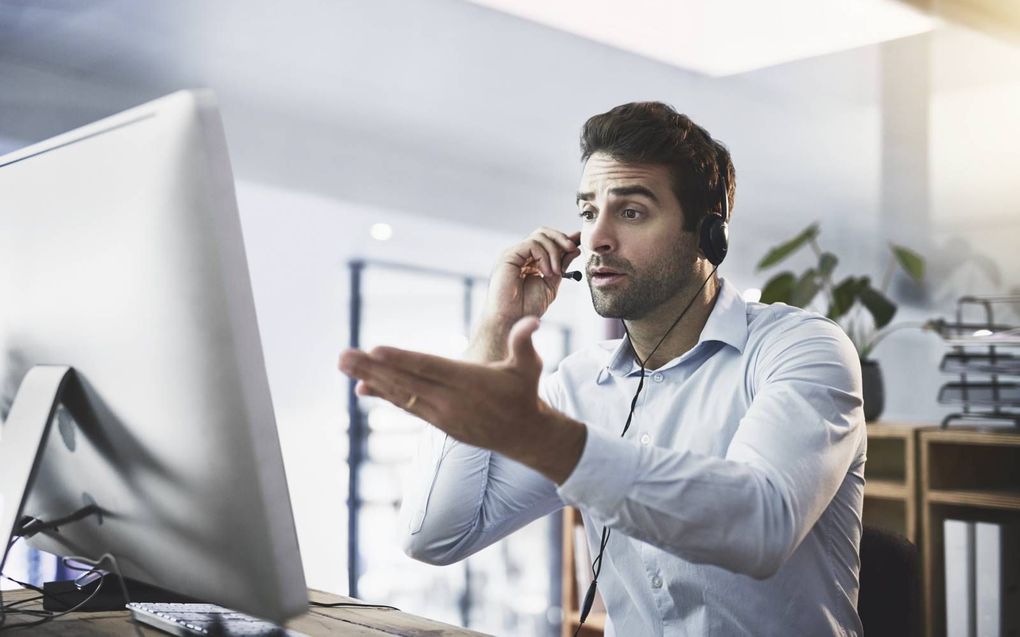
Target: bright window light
pixel 752 295
pixel 381 231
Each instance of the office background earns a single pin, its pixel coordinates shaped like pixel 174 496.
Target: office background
pixel 456 125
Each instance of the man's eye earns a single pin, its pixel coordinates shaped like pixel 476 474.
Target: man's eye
pixel 587 215
pixel 630 213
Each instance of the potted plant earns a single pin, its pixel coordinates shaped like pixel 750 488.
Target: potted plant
pixel 863 311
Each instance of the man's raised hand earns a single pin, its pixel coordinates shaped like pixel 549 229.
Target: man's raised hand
pixel 524 282
pixel 527 276
pixel 490 405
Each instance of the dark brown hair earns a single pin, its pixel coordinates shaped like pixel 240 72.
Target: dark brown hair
pixel 654 133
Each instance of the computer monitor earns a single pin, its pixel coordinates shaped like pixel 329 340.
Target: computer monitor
pixel 121 256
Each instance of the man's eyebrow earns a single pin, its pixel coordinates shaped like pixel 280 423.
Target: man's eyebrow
pixel 626 191
pixel 584 196
pixel 621 191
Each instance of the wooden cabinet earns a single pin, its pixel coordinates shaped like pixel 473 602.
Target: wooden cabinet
pixel 966 474
pixel 891 494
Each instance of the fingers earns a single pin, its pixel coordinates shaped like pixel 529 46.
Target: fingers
pixel 411 403
pixel 522 349
pixel 566 246
pixel 551 253
pixel 546 250
pixel 576 252
pixel 573 241
pixel 436 369
pixel 392 383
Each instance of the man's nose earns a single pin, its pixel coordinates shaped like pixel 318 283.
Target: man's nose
pixel 600 237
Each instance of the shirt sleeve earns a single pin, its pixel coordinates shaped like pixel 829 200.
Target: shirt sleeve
pixel 747 511
pixel 460 498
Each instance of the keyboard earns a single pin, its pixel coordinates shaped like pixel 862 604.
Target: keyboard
pixel 188 620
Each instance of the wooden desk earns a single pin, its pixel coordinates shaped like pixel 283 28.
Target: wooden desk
pixel 363 622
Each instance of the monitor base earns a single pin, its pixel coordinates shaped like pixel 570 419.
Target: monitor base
pixel 63 595
pixel 24 437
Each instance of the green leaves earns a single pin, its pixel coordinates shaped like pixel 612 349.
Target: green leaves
pixel 787 287
pixel 911 262
pixel 827 263
pixel 779 288
pixel 783 250
pixel 844 295
pixel 853 289
pixel 806 288
pixel 881 308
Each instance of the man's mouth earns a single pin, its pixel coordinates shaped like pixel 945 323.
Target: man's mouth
pixel 601 277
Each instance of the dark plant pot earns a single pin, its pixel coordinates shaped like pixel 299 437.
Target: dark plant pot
pixel 873 390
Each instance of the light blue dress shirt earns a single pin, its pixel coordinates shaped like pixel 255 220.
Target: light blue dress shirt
pixel 734 499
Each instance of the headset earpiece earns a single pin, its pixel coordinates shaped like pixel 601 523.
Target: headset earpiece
pixel 715 238
pixel 714 233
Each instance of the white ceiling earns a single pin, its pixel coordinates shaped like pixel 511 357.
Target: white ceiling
pixel 725 37
pixel 437 107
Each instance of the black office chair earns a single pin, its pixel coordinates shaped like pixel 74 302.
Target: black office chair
pixel 890 593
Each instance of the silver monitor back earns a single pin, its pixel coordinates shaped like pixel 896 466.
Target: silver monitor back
pixel 121 255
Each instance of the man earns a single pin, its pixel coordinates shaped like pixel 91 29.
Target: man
pixel 732 502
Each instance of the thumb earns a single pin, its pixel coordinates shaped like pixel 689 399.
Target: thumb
pixel 522 350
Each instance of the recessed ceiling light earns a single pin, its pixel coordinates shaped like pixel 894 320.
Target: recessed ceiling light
pixel 381 231
pixel 724 37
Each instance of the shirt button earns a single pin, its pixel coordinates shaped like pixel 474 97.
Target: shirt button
pixel 645 439
pixel 657 377
pixel 656 582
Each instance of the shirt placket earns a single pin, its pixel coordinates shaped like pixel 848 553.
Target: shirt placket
pixel 655 571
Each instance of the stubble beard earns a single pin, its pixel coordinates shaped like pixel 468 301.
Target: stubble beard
pixel 643 292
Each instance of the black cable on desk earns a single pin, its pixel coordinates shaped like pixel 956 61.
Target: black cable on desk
pixel 21 602
pixel 351 605
pixel 120 579
pixel 50 616
pixel 11 610
pixel 27 527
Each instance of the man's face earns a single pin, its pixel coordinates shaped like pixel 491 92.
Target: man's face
pixel 638 256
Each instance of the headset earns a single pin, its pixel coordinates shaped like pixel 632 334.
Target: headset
pixel 714 230
pixel 714 240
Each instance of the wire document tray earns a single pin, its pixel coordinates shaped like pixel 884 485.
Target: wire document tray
pixel 985 357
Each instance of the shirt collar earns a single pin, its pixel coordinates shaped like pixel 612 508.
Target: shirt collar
pixel 726 324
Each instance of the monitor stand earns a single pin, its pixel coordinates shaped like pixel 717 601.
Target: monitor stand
pixel 22 441
pixel 66 594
